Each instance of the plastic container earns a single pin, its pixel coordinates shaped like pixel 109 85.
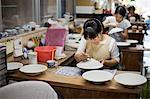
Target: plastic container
pixel 32 57
pixel 45 53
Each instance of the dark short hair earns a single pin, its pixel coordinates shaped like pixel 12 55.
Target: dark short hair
pixel 92 28
pixel 131 7
pixel 120 10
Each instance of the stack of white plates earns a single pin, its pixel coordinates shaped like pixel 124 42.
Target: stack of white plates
pixel 97 76
pixel 14 65
pixel 33 69
pixel 130 79
pixel 90 64
pixel 123 44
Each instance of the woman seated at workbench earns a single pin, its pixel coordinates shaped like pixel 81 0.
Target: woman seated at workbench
pixel 118 21
pixel 97 45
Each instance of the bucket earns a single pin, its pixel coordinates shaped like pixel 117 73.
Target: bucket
pixel 45 53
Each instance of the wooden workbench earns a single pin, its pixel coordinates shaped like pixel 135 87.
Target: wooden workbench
pixel 75 87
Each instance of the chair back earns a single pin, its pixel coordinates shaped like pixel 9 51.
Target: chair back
pixel 28 90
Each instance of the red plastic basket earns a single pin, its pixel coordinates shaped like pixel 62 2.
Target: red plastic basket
pixel 45 53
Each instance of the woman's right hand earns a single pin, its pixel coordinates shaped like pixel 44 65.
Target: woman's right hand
pixel 81 56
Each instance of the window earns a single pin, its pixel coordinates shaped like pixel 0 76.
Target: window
pixel 19 12
pixel 48 9
pixel 16 12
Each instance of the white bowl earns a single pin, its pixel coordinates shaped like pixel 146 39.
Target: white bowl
pixel 33 69
pixel 14 65
pixel 51 63
pixel 132 41
pixel 115 30
pixel 90 64
pixel 130 79
pixel 97 76
pixel 123 44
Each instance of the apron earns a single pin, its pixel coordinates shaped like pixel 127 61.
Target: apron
pixel 100 51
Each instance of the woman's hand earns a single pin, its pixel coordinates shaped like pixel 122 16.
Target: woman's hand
pixel 81 56
pixel 114 25
pixel 110 62
pixel 125 34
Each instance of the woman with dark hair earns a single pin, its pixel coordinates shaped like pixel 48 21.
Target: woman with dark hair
pixel 97 45
pixel 132 14
pixel 118 21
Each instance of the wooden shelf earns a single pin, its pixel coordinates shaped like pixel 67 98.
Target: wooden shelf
pixel 9 6
pixel 42 29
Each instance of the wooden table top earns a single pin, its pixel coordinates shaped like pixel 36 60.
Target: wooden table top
pixel 142 23
pixel 137 32
pixel 68 54
pixel 136 48
pixel 76 82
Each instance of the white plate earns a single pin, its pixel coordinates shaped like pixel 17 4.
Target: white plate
pixel 90 64
pixel 73 45
pixel 14 65
pixel 97 76
pixel 115 30
pixel 132 41
pixel 33 69
pixel 123 44
pixel 130 79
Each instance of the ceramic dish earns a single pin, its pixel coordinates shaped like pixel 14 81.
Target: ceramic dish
pixel 132 41
pixel 90 64
pixel 130 79
pixel 115 30
pixel 33 69
pixel 14 65
pixel 97 76
pixel 123 44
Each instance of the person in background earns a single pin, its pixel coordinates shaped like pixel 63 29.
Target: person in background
pixel 132 16
pixel 46 24
pixel 96 45
pixel 148 21
pixel 118 21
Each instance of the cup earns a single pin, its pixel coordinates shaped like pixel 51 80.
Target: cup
pixel 51 63
pixel 59 51
pixel 134 28
pixel 32 57
pixel 140 28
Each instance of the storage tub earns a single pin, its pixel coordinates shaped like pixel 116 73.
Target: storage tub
pixel 45 53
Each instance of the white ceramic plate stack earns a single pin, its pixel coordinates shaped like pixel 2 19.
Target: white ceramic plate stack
pixel 33 69
pixel 97 76
pixel 123 44
pixel 14 66
pixel 90 64
pixel 132 41
pixel 130 79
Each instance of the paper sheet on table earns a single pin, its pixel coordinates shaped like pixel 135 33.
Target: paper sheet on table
pixel 69 71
